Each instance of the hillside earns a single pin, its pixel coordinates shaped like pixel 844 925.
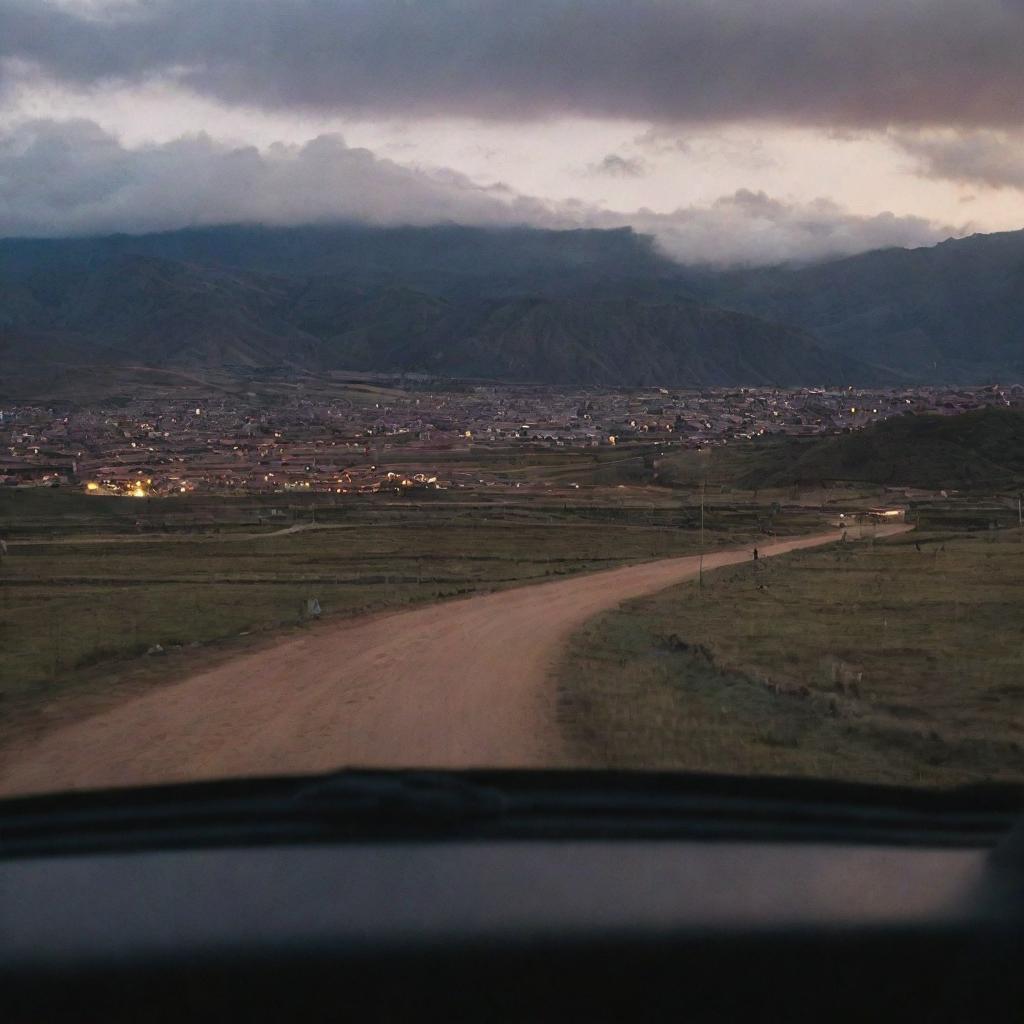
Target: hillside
pixel 585 306
pixel 581 341
pixel 950 313
pixel 446 260
pixel 144 310
pixel 980 448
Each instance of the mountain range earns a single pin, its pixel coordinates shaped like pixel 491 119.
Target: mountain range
pixel 953 312
pixel 566 307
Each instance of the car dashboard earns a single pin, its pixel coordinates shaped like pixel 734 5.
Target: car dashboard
pixel 478 924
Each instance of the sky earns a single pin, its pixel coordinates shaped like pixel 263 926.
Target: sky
pixel 734 131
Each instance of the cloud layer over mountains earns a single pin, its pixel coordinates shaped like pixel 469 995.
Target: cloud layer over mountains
pixel 71 177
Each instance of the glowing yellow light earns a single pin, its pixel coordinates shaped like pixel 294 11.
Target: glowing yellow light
pixel 138 493
pixel 92 486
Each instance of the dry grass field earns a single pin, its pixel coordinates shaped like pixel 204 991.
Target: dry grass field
pixel 897 661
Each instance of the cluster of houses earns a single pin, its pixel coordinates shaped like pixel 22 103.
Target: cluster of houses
pixel 346 443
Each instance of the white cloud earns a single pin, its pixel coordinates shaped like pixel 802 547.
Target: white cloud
pixel 752 228
pixel 72 177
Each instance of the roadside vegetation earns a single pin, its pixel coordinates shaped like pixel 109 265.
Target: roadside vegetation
pixel 898 661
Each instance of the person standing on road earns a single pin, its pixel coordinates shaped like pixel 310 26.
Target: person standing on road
pixel 755 554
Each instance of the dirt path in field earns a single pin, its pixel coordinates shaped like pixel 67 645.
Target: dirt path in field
pixel 458 684
pixel 170 538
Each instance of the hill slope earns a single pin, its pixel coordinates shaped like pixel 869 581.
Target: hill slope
pixel 446 260
pixel 580 306
pixel 983 447
pixel 950 313
pixel 577 340
pixel 133 309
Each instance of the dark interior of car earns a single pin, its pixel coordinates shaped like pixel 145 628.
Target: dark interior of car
pixel 513 896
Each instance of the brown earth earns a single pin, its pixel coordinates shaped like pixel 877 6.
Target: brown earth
pixel 458 684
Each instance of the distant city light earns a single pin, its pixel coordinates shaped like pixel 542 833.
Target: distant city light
pixel 216 458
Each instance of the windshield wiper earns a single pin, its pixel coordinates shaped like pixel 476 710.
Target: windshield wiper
pixel 357 805
pixel 403 798
pixel 340 805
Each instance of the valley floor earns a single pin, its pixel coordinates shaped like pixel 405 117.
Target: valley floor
pixel 898 661
pixel 456 684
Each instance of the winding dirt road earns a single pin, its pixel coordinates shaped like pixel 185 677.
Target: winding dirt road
pixel 457 684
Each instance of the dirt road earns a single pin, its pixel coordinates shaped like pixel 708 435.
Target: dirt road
pixel 462 683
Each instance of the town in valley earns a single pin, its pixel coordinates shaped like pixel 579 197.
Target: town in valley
pixel 364 434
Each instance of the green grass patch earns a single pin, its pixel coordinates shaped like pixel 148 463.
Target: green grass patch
pixel 899 661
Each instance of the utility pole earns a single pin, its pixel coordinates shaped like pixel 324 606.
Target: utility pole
pixel 704 453
pixel 700 563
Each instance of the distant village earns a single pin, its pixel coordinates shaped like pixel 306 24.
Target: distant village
pixel 321 443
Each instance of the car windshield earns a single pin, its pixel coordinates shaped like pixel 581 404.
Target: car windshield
pixel 550 384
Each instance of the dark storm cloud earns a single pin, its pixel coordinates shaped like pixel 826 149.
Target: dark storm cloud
pixel 991 158
pixel 71 177
pixel 835 62
pixel 616 166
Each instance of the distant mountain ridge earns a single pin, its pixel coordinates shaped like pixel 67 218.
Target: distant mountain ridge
pixel 952 313
pixel 567 307
pixel 599 308
pixel 448 259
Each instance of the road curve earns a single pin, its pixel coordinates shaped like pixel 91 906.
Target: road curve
pixel 457 684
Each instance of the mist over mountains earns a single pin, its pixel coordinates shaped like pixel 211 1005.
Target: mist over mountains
pixel 564 307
